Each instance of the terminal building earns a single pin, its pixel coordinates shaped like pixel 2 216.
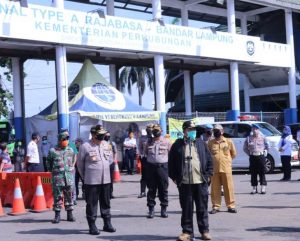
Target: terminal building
pixel 246 55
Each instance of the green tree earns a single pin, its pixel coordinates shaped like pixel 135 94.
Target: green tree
pixel 5 96
pixel 141 76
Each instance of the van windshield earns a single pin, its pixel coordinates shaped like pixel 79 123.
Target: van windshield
pixel 268 130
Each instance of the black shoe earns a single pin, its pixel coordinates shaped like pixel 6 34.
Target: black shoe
pixel 232 210
pixel 93 229
pixel 108 226
pixel 57 217
pixel 70 216
pixel 214 211
pixel 163 212
pixel 75 202
pixel 151 213
pixel 142 194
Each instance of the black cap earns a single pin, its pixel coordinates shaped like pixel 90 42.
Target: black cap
pixel 44 138
pixel 188 125
pixel 62 130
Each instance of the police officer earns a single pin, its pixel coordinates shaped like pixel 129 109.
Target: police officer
pixel 93 163
pixel 60 162
pixel 256 147
pixel 157 151
pixel 144 140
pixel 223 151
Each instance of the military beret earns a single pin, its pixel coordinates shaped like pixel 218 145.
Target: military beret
pixel 188 125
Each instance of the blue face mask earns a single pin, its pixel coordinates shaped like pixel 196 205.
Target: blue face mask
pixel 192 135
pixel 45 142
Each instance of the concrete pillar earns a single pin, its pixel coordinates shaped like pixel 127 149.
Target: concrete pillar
pixel 110 10
pixel 61 80
pixel 186 74
pixel 246 95
pixel 159 74
pixel 244 25
pixel 18 117
pixel 234 72
pixel 291 113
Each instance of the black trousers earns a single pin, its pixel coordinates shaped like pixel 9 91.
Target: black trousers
pixel 188 195
pixel 130 158
pixel 257 167
pixel 157 181
pixel 95 194
pixel 286 167
pixel 45 163
pixel 144 174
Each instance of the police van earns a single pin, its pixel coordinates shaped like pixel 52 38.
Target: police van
pixel 238 132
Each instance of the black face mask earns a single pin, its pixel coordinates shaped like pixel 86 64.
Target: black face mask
pixel 107 138
pixel 156 133
pixel 217 133
pixel 208 133
pixel 100 137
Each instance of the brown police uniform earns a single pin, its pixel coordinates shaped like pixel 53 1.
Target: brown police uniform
pixel 222 151
pixel 94 167
pixel 157 152
pixel 254 146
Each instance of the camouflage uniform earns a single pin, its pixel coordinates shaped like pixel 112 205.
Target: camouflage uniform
pixel 61 163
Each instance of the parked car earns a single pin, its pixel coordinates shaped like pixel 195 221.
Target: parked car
pixel 238 131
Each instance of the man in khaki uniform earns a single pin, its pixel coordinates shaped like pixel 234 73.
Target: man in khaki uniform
pixel 223 151
pixel 157 151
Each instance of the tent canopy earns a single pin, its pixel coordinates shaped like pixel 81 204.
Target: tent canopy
pixel 91 95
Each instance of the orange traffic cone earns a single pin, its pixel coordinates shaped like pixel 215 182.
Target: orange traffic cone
pixel 39 201
pixel 117 176
pixel 1 209
pixel 18 207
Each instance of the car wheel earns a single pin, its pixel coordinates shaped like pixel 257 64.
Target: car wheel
pixel 269 164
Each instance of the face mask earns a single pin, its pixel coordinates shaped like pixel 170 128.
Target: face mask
pixel 19 143
pixel 156 133
pixel 208 132
pixel 217 133
pixel 64 143
pixel 44 142
pixel 100 137
pixel 107 138
pixel 192 135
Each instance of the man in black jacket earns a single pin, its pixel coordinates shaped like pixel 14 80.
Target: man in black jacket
pixel 190 167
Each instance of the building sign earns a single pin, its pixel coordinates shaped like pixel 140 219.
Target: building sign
pixel 48 24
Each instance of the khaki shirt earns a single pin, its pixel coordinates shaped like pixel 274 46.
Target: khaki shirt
pixel 222 152
pixel 157 151
pixel 195 169
pixel 93 162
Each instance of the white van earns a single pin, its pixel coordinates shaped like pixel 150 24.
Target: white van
pixel 239 130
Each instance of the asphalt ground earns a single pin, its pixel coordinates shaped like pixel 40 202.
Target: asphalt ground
pixel 271 217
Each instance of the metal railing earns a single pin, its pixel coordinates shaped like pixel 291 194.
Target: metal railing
pixel 274 118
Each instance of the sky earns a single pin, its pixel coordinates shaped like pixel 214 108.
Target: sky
pixel 40 90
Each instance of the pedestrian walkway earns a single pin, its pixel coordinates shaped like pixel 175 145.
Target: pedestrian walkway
pixel 271 217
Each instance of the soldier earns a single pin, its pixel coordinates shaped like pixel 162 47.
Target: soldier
pixel 256 147
pixel 157 152
pixel 142 150
pixel 60 162
pixel 93 163
pixel 223 151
